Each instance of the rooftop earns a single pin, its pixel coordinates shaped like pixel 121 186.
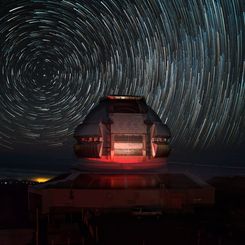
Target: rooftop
pixel 78 180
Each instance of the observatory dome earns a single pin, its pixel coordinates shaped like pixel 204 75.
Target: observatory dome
pixel 122 128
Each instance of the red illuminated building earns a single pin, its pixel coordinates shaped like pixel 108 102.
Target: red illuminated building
pixel 122 129
pixel 122 146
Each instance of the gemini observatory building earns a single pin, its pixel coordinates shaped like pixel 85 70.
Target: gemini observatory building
pixel 122 130
pixel 122 146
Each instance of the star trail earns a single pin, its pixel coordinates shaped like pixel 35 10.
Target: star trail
pixel 57 58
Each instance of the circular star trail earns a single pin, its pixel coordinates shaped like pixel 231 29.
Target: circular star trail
pixel 57 58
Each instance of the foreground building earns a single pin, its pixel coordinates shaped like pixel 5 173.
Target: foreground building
pixel 167 191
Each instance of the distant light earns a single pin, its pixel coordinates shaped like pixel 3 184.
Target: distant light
pixel 41 179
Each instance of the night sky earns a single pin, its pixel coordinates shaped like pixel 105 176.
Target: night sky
pixel 57 58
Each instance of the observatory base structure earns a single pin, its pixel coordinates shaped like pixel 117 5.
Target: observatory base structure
pixel 122 145
pixel 169 191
